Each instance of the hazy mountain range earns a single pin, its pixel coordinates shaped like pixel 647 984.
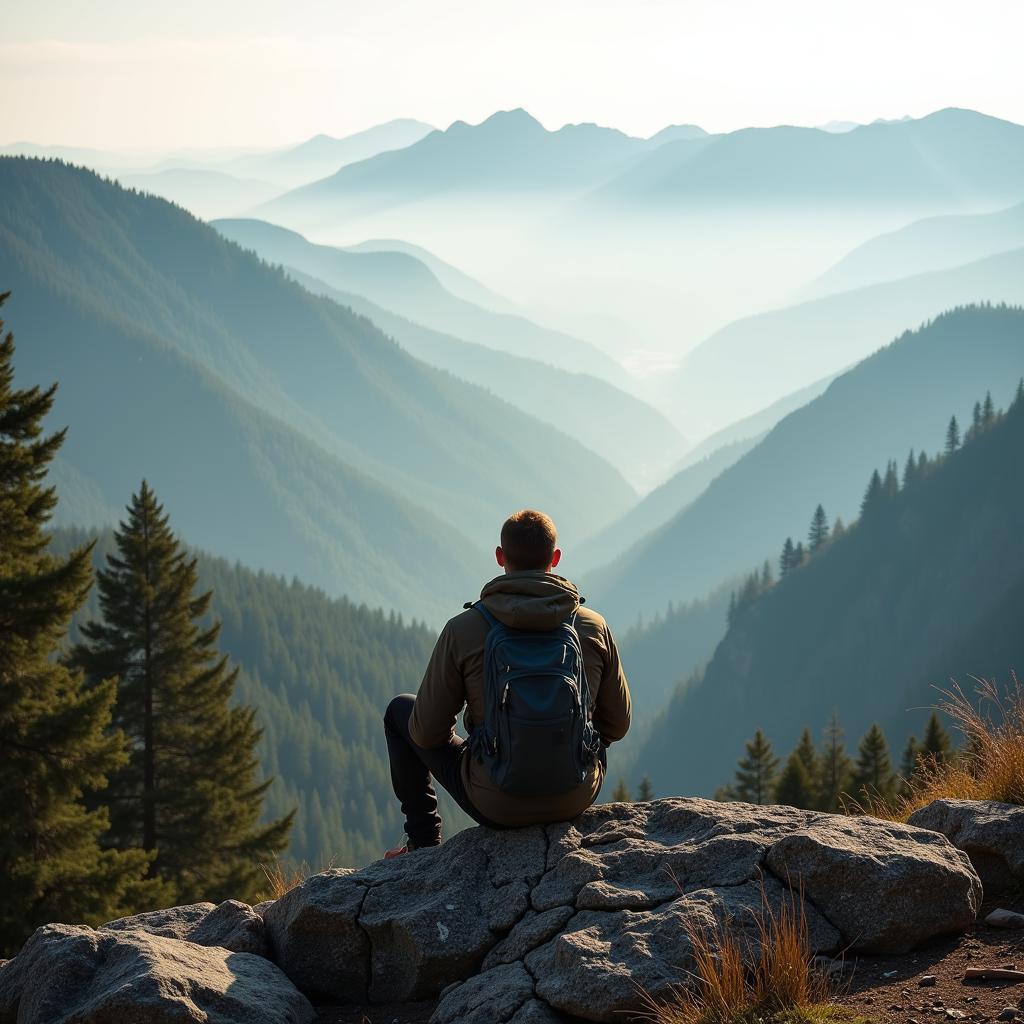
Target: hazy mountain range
pixel 260 411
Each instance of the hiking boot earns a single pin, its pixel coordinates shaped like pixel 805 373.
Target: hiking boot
pixel 396 852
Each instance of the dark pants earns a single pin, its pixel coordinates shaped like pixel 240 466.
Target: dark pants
pixel 411 769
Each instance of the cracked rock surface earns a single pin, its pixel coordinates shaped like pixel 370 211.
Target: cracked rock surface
pixel 990 833
pixel 75 975
pixel 580 919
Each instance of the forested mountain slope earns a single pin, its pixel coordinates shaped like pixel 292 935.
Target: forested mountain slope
pixel 320 672
pixel 899 398
pixel 89 263
pixel 927 585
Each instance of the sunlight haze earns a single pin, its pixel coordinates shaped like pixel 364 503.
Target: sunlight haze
pixel 122 74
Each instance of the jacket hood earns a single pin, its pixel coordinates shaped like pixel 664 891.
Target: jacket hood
pixel 530 600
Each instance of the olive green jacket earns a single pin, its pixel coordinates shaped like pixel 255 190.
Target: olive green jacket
pixel 454 680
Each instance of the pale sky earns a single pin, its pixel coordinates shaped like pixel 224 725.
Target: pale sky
pixel 133 73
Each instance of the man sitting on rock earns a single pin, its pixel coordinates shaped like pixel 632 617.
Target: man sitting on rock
pixel 543 690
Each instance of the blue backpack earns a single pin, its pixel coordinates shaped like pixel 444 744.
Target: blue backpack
pixel 536 738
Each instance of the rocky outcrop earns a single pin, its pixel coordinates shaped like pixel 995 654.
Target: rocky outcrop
pixel 581 919
pixel 233 925
pixel 75 975
pixel 990 833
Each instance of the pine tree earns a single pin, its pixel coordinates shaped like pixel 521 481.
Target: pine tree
pixel 786 558
pixel 756 772
pixel 53 741
pixel 189 794
pixel 808 754
pixel 818 533
pixel 799 555
pixel 766 575
pixel 975 421
pixel 1018 398
pixel 908 762
pixel 621 793
pixel 988 412
pixel 936 744
pixel 909 469
pixel 873 774
pixel 835 768
pixel 838 528
pixel 952 436
pixel 872 494
pixel 922 464
pixel 645 791
pixel 796 785
pixel 891 483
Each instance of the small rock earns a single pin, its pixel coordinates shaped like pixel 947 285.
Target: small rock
pixel 927 981
pixel 1008 1013
pixel 1001 918
pixel 952 1014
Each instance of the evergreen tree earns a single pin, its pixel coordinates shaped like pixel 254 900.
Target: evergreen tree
pixel 1018 398
pixel 908 763
pixel 873 772
pixel 936 744
pixel 952 436
pixel 818 533
pixel 766 575
pixel 730 615
pixel 909 468
pixel 808 755
pixel 756 772
pixel 838 528
pixel 988 412
pixel 891 483
pixel 621 793
pixel 189 793
pixel 872 494
pixel 796 785
pixel 645 791
pixel 975 421
pixel 799 555
pixel 53 741
pixel 922 464
pixel 834 770
pixel 786 559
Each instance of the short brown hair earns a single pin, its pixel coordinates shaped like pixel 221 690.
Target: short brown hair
pixel 529 539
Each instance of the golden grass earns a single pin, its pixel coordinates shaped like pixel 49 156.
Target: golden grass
pixel 770 980
pixel 989 767
pixel 283 877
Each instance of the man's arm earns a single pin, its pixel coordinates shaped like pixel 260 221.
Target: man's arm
pixel 612 709
pixel 441 696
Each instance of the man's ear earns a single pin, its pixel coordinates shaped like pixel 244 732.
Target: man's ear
pixel 499 556
pixel 556 557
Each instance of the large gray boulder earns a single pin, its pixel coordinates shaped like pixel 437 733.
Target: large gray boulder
pixel 75 975
pixel 990 833
pixel 231 924
pixel 580 919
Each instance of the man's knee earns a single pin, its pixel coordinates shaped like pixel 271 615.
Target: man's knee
pixel 399 711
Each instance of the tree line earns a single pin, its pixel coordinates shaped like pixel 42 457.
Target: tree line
pixel 128 774
pixel 880 488
pixel 824 777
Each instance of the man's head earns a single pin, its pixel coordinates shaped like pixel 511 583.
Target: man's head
pixel 529 541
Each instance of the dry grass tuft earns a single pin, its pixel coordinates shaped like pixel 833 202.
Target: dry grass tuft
pixel 989 767
pixel 283 877
pixel 770 980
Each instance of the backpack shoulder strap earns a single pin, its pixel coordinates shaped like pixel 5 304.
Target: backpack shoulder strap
pixel 488 617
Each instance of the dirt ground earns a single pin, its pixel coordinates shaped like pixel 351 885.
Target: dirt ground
pixel 885 989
